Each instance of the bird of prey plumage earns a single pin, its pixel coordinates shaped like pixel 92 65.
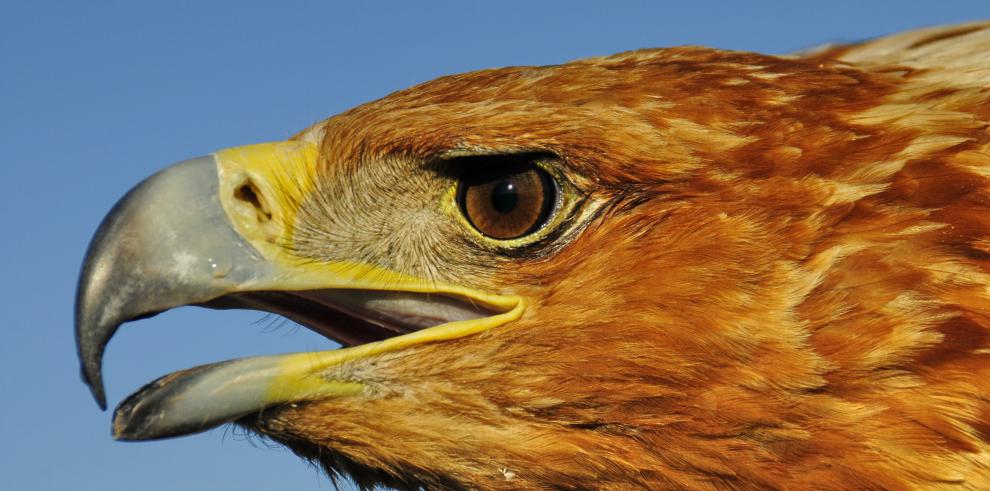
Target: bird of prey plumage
pixel 676 268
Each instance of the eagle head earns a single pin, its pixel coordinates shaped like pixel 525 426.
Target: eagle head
pixel 680 268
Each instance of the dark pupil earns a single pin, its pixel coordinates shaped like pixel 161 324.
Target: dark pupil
pixel 505 196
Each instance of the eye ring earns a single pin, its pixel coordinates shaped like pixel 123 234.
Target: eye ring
pixel 507 200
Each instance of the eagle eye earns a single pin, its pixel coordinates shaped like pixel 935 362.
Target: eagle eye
pixel 507 200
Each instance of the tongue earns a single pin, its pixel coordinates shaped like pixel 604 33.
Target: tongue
pixel 401 311
pixel 354 317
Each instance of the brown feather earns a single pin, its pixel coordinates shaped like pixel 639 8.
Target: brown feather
pixel 788 288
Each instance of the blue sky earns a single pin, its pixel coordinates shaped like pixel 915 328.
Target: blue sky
pixel 96 95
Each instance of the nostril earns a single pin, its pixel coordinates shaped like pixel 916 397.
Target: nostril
pixel 249 194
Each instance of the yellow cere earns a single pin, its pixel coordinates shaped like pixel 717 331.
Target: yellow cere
pixel 280 175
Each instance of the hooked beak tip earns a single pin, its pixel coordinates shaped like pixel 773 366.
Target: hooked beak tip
pixel 141 234
pixel 95 382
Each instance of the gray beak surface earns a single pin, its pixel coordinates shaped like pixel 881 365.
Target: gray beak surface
pixel 149 254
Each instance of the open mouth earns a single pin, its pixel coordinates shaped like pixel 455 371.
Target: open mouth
pixel 171 242
pixel 354 317
pixel 365 322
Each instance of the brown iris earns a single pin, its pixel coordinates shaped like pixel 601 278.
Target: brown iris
pixel 507 200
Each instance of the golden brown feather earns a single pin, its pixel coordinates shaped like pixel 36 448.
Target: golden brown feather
pixel 787 283
pixel 790 286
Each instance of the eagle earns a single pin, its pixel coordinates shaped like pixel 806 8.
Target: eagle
pixel 681 268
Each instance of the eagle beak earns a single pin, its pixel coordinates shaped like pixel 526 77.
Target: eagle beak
pixel 166 243
pixel 213 232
